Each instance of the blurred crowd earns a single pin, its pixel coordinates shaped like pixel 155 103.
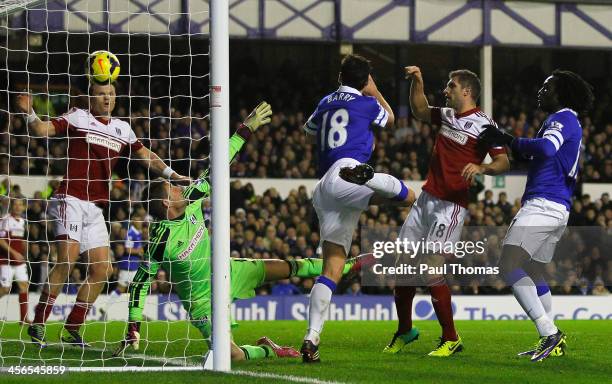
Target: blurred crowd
pixel 281 149
pixel 269 226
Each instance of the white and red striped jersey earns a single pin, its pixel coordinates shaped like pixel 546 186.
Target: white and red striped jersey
pixel 94 146
pixel 12 230
pixel 456 145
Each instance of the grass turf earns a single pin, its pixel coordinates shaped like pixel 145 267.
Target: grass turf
pixel 351 352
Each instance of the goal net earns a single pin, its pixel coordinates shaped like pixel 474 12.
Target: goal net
pixel 162 95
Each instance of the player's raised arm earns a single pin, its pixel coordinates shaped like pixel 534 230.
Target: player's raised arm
pixel 418 101
pixel 259 116
pixel 39 127
pixel 372 90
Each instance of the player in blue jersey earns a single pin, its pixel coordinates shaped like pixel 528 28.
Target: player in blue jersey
pixel 129 254
pixel 342 124
pixel 534 232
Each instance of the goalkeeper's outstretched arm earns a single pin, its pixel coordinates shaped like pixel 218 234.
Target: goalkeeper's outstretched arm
pixel 258 117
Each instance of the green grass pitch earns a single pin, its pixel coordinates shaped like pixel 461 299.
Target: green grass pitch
pixel 350 353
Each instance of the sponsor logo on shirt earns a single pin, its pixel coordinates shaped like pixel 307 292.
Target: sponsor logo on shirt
pixel 556 125
pixel 192 244
pixel 103 141
pixel 455 136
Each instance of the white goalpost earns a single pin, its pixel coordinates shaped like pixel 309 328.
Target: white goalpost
pixel 170 52
pixel 219 103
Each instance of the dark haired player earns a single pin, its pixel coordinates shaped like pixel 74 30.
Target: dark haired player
pixel 440 210
pixel 96 140
pixel 342 124
pixel 535 230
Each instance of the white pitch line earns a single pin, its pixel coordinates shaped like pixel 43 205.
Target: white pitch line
pixel 292 378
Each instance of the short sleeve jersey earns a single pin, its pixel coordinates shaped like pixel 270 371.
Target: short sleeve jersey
pixel 554 178
pixel 456 145
pixel 342 123
pixel 12 230
pixel 94 147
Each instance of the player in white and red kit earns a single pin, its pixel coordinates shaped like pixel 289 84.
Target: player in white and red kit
pixel 13 255
pixel 439 212
pixel 95 143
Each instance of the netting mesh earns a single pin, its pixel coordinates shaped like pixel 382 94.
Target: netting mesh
pixel 162 93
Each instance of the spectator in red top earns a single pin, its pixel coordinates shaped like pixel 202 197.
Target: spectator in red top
pixel 13 255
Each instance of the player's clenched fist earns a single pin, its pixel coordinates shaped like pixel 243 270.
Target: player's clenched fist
pixel 259 116
pixel 412 71
pixel 471 170
pixel 24 102
pixel 132 338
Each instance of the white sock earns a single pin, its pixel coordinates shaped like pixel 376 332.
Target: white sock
pixel 546 300
pixel 320 297
pixel 385 185
pixel 527 295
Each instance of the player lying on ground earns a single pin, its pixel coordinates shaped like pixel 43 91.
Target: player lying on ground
pixel 537 227
pixel 342 124
pixel 179 243
pixel 13 257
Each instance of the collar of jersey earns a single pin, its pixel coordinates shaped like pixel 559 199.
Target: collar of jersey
pixel 467 113
pixel 181 217
pixel 567 109
pixel 347 89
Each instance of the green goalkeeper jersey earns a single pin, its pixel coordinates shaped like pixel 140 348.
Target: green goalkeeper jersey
pixel 182 248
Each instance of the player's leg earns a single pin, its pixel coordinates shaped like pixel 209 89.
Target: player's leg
pixel 98 272
pixel 533 236
pixel 96 252
pixel 387 187
pixel 6 279
pixel 67 255
pixel 23 284
pixel 413 229
pixel 338 204
pixel 536 271
pixel 446 228
pixel 265 348
pixel 308 267
pixel 66 215
pixel 334 257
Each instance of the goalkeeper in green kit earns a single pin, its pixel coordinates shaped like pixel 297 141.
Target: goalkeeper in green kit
pixel 180 244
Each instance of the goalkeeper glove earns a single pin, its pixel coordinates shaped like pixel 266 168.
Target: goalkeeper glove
pixel 259 116
pixel 132 338
pixel 495 137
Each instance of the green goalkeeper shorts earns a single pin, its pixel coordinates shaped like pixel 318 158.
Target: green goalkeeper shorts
pixel 245 276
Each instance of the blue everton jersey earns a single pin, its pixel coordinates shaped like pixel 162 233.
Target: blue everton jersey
pixel 554 178
pixel 343 123
pixel 130 262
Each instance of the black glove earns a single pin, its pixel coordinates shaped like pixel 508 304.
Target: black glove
pixel 494 137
